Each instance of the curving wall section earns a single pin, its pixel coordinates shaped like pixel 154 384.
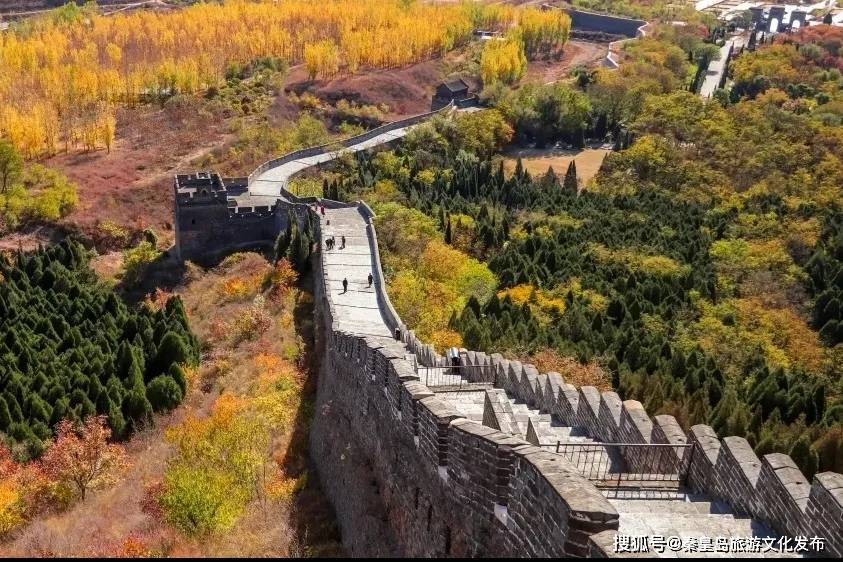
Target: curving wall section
pixel 409 476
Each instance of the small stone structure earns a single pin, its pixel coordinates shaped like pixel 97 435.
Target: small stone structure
pixel 771 18
pixel 209 222
pixel 455 91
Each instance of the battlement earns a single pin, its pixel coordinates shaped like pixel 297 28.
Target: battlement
pixel 201 187
pixel 208 187
pixel 770 489
pixel 410 476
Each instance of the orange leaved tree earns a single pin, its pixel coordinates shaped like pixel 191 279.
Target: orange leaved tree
pixel 81 456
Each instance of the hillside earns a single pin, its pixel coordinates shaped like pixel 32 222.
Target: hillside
pixel 673 255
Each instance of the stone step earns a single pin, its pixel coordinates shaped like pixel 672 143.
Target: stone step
pixel 668 524
pixel 550 432
pixel 679 507
pixel 469 404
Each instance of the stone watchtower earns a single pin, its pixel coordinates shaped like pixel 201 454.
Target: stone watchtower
pixel 210 220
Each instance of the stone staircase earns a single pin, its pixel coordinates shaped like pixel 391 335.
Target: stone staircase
pixel 694 519
pixel 468 403
pixel 667 512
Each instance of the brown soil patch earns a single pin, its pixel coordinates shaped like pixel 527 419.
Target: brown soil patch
pixel 407 91
pixel 132 185
pixel 29 238
pixel 538 161
pixel 576 53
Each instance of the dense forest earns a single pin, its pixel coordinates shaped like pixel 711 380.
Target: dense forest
pixel 701 268
pixel 71 349
pixel 63 74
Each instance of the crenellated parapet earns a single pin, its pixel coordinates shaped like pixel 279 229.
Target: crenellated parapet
pixel 501 494
pixel 399 464
pixel 770 489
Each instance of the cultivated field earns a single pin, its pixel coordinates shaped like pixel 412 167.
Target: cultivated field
pixel 537 161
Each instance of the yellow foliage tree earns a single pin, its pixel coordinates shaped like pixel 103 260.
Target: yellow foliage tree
pixel 502 61
pixel 543 31
pixel 56 73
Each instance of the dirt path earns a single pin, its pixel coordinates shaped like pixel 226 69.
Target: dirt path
pixel 576 53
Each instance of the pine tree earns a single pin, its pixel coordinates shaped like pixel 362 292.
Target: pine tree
pixel 281 245
pixel 805 457
pixel 163 393
pixel 5 415
pixel 173 350
pixel 570 184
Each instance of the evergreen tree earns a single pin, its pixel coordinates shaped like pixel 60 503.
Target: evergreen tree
pixel 163 393
pixel 70 348
pixel 805 457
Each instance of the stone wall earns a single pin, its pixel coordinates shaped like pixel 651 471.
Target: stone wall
pixel 582 20
pixel 770 489
pixel 346 143
pixel 207 231
pixel 408 476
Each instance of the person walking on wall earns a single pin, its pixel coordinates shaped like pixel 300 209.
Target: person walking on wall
pixel 342 242
pixel 370 280
pixel 344 285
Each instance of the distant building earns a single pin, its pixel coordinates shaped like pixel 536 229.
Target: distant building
pixel 768 17
pixel 455 90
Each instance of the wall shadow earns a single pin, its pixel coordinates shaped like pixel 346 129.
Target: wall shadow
pixel 313 516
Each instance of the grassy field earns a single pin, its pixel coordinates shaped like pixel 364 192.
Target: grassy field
pixel 538 161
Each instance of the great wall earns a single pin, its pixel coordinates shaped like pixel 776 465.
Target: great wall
pixel 422 458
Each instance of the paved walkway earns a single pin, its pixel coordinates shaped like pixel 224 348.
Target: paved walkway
pixel 356 310
pixel 716 68
pixel 271 181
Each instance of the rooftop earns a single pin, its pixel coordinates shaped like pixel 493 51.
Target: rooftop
pixel 456 84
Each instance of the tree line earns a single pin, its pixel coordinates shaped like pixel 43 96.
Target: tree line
pixel 63 75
